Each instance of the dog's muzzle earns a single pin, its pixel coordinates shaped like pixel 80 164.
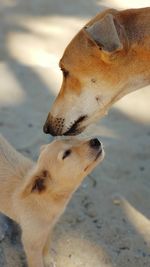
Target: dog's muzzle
pixel 53 126
pixel 56 126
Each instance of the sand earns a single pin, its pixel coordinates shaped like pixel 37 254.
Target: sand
pixel 107 221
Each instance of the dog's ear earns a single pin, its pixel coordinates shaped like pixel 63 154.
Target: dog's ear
pixel 37 183
pixel 107 33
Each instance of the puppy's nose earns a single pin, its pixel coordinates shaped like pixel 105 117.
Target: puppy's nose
pixel 95 143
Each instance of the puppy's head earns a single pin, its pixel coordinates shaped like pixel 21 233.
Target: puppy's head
pixel 62 165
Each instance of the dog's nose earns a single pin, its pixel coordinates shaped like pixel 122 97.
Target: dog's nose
pixel 95 143
pixel 48 129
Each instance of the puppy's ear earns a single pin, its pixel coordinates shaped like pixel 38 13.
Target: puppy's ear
pixel 37 184
pixel 107 33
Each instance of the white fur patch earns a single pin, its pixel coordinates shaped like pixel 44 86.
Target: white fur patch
pixel 87 103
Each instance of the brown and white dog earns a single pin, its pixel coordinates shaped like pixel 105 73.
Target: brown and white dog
pixel 107 59
pixel 36 194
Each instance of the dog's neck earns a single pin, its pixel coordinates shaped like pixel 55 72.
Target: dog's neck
pixel 137 28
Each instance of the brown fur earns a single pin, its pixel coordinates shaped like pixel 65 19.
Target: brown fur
pixel 36 194
pixel 113 50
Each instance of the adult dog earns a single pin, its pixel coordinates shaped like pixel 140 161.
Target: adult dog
pixel 107 59
pixel 36 194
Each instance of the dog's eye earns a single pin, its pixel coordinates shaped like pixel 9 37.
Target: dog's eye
pixel 65 72
pixel 66 153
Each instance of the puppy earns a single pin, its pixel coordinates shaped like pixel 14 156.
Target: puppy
pixel 36 194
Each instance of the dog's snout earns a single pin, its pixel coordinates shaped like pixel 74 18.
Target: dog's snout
pixel 95 143
pixel 46 128
pixel 53 126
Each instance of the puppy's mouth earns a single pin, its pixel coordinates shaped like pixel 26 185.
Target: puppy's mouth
pixel 96 149
pixel 96 159
pixel 98 154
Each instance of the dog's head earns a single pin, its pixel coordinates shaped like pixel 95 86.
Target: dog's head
pixel 92 76
pixel 62 165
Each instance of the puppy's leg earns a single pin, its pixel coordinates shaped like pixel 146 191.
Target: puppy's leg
pixel 48 260
pixel 33 241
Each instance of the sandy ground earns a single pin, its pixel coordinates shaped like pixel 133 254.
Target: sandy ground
pixel 107 222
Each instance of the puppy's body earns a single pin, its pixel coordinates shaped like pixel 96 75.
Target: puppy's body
pixel 13 169
pixel 36 194
pixel 107 59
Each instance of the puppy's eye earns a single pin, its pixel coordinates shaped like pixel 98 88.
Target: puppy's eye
pixel 66 153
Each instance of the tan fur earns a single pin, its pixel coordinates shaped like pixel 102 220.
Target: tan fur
pixel 107 59
pixel 36 194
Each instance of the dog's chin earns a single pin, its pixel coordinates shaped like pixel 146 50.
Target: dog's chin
pixel 77 126
pixel 77 131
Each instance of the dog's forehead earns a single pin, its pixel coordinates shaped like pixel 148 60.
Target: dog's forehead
pixel 78 46
pixel 71 61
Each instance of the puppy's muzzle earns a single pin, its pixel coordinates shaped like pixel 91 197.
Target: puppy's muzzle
pixel 95 144
pixel 96 147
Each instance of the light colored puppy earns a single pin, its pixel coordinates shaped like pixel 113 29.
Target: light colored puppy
pixel 36 194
